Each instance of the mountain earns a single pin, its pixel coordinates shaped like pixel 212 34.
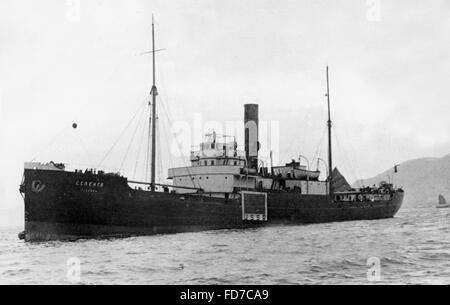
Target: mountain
pixel 422 179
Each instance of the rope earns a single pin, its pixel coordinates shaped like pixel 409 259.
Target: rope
pixel 159 155
pixel 319 145
pixel 353 172
pixel 132 140
pixel 148 145
pixel 51 142
pixel 120 136
pixel 144 129
pixel 179 148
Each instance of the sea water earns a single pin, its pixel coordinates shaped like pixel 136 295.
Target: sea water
pixel 412 248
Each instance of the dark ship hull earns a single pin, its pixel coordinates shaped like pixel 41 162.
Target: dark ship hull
pixel 62 205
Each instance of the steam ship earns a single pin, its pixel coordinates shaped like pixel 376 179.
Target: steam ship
pixel 223 188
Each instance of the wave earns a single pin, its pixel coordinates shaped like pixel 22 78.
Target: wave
pixel 412 249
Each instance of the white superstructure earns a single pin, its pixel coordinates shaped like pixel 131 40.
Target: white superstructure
pixel 220 169
pixel 216 167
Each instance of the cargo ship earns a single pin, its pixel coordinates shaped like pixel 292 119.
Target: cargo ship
pixel 223 188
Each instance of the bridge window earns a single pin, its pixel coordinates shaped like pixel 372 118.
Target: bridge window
pixel 212 162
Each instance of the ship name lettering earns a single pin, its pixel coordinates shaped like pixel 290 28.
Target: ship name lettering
pixel 89 183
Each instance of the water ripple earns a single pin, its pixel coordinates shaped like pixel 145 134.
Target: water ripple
pixel 413 248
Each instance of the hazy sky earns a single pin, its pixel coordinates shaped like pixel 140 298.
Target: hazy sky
pixel 80 61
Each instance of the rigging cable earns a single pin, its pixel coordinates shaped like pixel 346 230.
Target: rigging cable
pixel 166 112
pixel 51 142
pixel 141 143
pixel 120 136
pixel 318 152
pixel 147 165
pixel 158 147
pixel 356 173
pixel 132 140
pixel 168 115
pixel 181 152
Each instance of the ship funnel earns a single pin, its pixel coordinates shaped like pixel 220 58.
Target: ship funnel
pixel 251 121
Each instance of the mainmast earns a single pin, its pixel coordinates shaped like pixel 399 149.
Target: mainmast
pixel 330 157
pixel 154 93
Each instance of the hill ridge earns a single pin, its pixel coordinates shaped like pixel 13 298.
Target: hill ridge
pixel 423 179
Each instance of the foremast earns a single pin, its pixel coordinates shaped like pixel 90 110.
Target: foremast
pixel 330 156
pixel 153 93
